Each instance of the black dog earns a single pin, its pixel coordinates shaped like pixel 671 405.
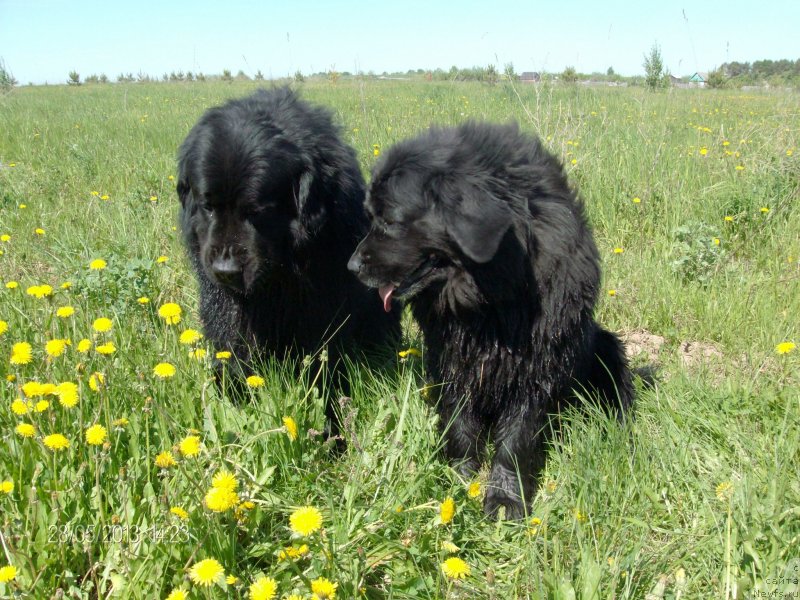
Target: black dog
pixel 272 208
pixel 477 227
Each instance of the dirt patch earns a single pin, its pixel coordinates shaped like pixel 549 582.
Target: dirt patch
pixel 642 345
pixel 698 354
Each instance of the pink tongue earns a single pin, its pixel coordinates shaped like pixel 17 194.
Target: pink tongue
pixel 385 293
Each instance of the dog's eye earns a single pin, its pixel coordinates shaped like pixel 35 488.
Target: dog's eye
pixel 207 207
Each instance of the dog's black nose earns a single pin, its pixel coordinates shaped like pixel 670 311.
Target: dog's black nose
pixel 355 264
pixel 228 273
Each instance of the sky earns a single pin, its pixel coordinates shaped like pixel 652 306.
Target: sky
pixel 43 40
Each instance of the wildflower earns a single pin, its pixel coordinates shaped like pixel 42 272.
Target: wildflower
pixel 7 486
pixel 637 200
pixel 84 346
pixel 450 547
pixel 409 352
pixel 225 480
pixel 177 594
pixel 121 422
pixel 25 430
pixel 220 499
pixel 376 150
pixel 455 568
pixel 789 152
pixel 447 510
pixel 291 427
pixel 102 325
pixel 143 300
pixel 190 336
pixel 179 512
pixel 98 264
pixel 107 348
pixel 7 573
pixel 21 353
pixel 305 521
pixel 96 435
pixel 231 579
pixel 716 241
pixel 580 517
pixel 739 167
pixel 612 292
pixel 5 238
pixel 19 407
pixel 255 381
pixel 171 313
pixel 40 291
pixel 619 250
pixel 197 353
pixel 96 381
pixel 223 355
pixel 39 231
pixel 263 588
pixel 56 347
pixel 12 285
pixel 474 490
pixel 728 219
pixel 164 370
pixel 65 311
pixel 764 209
pixel 785 347
pixel 323 589
pixel 67 394
pixel 162 259
pixel 165 460
pixel 3 327
pixel 206 572
pixel 293 552
pixel 153 198
pixel 535 522
pixel 56 442
pixel 190 445
pixel 41 406
pixel 724 491
pixel 104 197
pixel 703 151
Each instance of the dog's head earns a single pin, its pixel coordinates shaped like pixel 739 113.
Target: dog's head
pixel 252 187
pixel 437 215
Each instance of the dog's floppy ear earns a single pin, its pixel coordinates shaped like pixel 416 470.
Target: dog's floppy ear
pixel 303 190
pixel 184 190
pixel 475 219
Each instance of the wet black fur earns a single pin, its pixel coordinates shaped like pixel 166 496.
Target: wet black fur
pixel 271 210
pixel 477 228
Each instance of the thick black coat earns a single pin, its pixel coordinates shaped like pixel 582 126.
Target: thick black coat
pixel 271 209
pixel 477 227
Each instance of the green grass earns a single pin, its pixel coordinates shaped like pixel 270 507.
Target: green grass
pixel 696 498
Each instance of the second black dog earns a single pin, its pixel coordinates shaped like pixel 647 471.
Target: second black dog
pixel 271 209
pixel 478 229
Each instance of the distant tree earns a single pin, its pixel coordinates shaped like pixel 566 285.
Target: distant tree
pixel 509 72
pixel 610 72
pixel 103 78
pixel 92 79
pixel 654 68
pixel 298 76
pixel 74 78
pixel 242 76
pixel 259 76
pixel 569 75
pixel 333 74
pixel 716 79
pixel 490 75
pixel 7 80
pixel 189 76
pixel 226 75
pixel 201 77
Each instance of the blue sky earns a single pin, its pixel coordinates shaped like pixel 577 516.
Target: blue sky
pixel 42 40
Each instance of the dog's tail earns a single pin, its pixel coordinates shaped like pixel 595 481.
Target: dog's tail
pixel 610 374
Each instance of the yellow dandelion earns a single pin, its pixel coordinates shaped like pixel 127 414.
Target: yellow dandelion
pixel 67 394
pixel 179 512
pixel 102 325
pixel 84 346
pixel 65 311
pixel 190 336
pixel 20 407
pixel 263 588
pixel 8 573
pixel 207 572
pixel 455 568
pixel 12 285
pixel 198 353
pixel 66 285
pixel 223 355
pixel 5 238
pixel 739 167
pixel 612 292
pixel 724 491
pixel 41 406
pixel 96 381
pixel 6 487
pixel 3 327
pixel 121 422
pixel 171 313
pixel 291 427
pixel 220 499
pixel 96 435
pixel 25 430
pixel 21 353
pixel 703 151
pixel 165 460
pixel 789 152
pixel 716 241
pixel 225 480
pixel 580 517
pixel 637 200
pixel 450 547
pixel 143 300
pixel 39 231
pixel 190 445
pixel 293 552
pixel 231 580
pixel 535 523
pixel 447 510
pixel 40 291
pixel 785 347
pixel 178 594
pixel 153 198
pixel 305 521
pixel 409 352
pixel 619 250
pixel 323 589
pixel 98 264
pixel 728 219
pixel 255 381
pixel 764 210
pixel 474 489
pixel 104 197
pixel 106 349
pixel 56 442
pixel 164 370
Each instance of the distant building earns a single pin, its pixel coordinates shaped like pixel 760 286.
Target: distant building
pixel 699 79
pixel 675 80
pixel 530 77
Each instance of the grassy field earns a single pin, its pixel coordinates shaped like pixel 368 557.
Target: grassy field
pixel 695 200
